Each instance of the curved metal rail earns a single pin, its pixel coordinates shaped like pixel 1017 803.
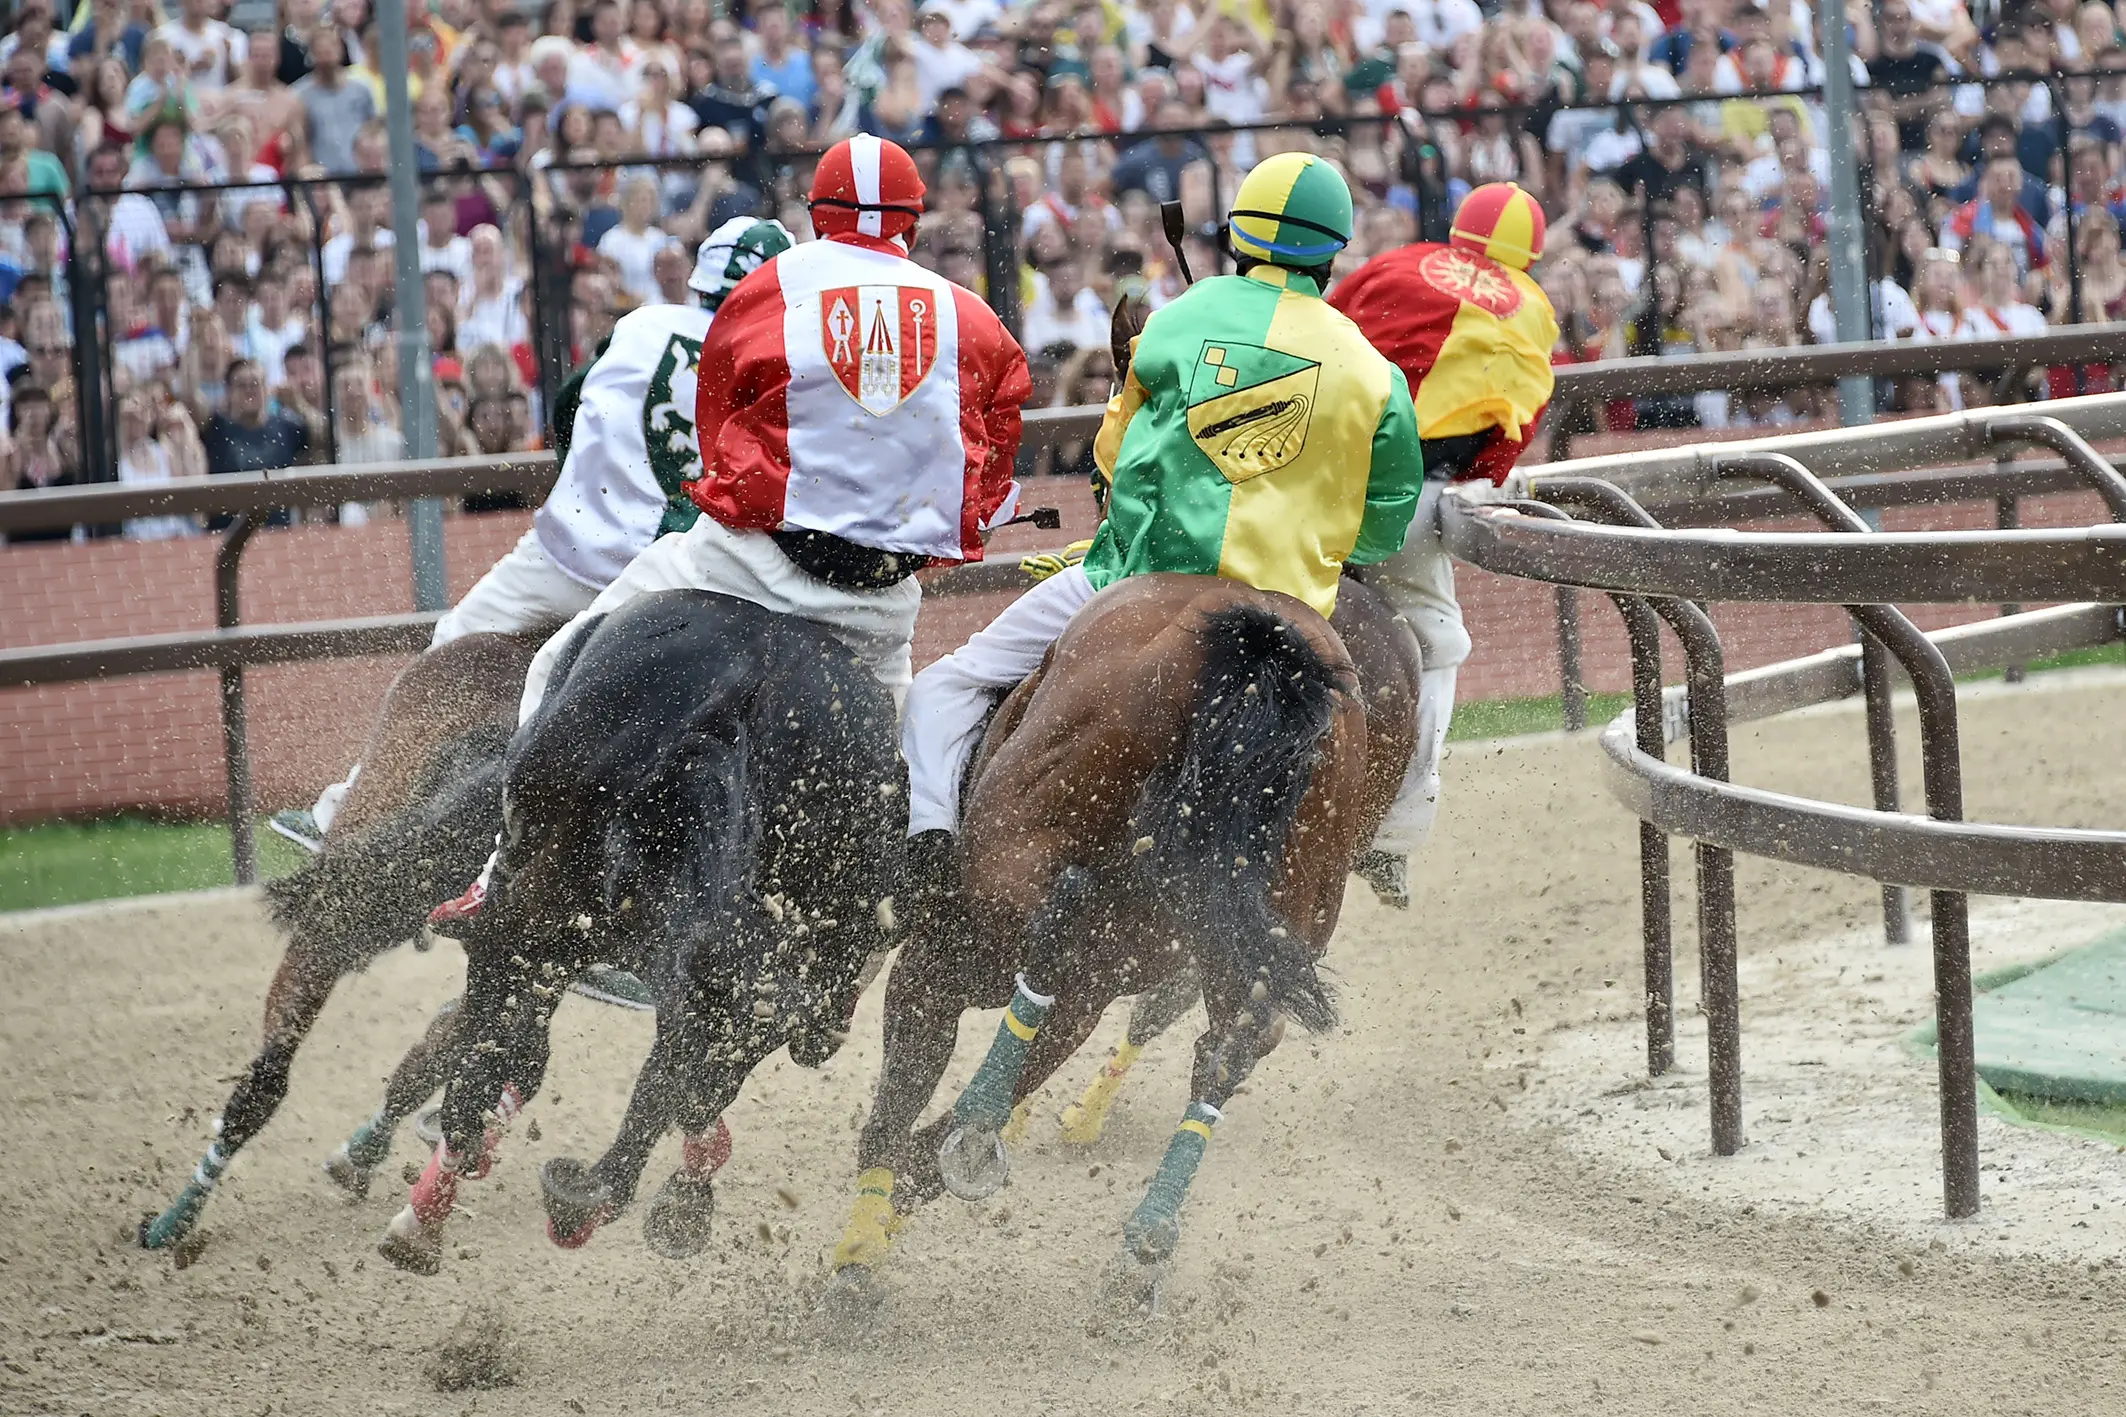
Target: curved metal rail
pixel 1650 571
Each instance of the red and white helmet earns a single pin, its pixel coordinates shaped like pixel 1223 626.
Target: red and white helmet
pixel 868 186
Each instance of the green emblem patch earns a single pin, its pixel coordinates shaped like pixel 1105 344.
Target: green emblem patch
pixel 668 434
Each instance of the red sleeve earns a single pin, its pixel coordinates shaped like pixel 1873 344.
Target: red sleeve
pixel 716 381
pixel 994 383
pixel 1501 453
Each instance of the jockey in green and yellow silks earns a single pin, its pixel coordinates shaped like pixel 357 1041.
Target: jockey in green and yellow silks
pixel 1257 435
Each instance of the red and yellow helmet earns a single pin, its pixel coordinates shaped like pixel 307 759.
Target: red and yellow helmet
pixel 866 185
pixel 1501 221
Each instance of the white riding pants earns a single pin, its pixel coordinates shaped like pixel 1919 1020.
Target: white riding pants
pixel 523 591
pixel 877 626
pixel 1419 582
pixel 949 701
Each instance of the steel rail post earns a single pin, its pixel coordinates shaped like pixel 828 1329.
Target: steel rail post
pixel 1656 915
pixel 1719 987
pixel 1572 687
pixel 2074 450
pixel 1942 773
pixel 1805 487
pixel 235 736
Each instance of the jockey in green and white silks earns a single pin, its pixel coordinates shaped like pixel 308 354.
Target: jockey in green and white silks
pixel 624 434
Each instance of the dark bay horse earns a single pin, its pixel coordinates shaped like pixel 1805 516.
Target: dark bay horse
pixel 711 796
pixel 1182 786
pixel 417 823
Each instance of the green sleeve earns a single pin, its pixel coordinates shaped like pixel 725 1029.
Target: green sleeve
pixel 1397 477
pixel 567 399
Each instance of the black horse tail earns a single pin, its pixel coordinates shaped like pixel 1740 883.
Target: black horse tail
pixel 366 893
pixel 1211 826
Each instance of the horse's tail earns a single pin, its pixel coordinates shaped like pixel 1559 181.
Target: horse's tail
pixel 1211 826
pixel 369 891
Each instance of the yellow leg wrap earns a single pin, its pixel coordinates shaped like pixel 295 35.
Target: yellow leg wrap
pixel 1084 1119
pixel 872 1222
pixel 1015 1130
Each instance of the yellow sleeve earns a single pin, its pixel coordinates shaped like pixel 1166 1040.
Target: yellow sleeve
pixel 1107 446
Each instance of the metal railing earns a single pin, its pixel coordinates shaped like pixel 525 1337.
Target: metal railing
pixel 1650 570
pixel 1677 483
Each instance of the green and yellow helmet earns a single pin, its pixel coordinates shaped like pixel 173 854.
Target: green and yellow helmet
pixel 1293 210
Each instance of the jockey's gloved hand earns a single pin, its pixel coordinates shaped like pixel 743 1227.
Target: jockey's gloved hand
pixel 1040 567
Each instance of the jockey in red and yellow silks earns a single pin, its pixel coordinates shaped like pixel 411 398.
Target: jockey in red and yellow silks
pixel 1472 332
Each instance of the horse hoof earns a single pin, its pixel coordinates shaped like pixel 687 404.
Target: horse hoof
pixel 577 1200
pixel 676 1225
pixel 1132 1287
pixel 411 1245
pixel 428 1123
pixel 853 1299
pixel 341 1170
pixel 578 1239
pixel 1081 1125
pixel 974 1163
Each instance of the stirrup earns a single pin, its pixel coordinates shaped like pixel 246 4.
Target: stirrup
pixel 1389 875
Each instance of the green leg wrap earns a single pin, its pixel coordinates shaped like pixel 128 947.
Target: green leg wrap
pixel 1154 1230
pixel 986 1104
pixel 175 1223
pixel 370 1146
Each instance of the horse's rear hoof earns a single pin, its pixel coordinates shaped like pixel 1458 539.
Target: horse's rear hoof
pixel 341 1170
pixel 1082 1125
pixel 411 1245
pixel 974 1163
pixel 1132 1287
pixel 676 1225
pixel 577 1201
pixel 428 1124
pixel 853 1300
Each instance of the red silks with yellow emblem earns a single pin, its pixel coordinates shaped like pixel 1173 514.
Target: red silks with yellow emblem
pixel 1473 336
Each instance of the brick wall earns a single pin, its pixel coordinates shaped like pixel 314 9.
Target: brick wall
pixel 154 741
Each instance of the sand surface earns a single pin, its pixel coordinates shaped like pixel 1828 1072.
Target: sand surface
pixel 1455 1202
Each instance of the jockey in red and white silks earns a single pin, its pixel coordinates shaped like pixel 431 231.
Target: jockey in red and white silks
pixel 858 418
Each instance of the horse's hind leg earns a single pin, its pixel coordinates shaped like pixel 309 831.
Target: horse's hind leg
pixel 499 1062
pixel 926 992
pixel 297 995
pixel 581 1198
pixel 1155 1011
pixel 418 1076
pixel 973 1159
pixel 1241 1031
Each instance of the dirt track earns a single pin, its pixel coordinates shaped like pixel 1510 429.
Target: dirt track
pixel 1375 1228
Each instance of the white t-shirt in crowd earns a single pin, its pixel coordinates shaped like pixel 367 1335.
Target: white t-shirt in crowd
pixel 146 464
pixel 1895 315
pixel 633 255
pixel 454 255
pixel 495 320
pixel 939 67
pixel 1086 324
pixel 340 247
pixel 2000 322
pixel 270 346
pixel 211 55
pixel 967 16
pixel 1232 90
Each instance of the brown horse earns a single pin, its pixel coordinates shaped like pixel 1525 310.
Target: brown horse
pixel 1182 786
pixel 416 825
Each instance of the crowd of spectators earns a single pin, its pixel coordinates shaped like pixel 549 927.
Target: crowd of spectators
pixel 571 154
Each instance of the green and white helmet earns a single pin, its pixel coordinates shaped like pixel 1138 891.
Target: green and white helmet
pixel 733 251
